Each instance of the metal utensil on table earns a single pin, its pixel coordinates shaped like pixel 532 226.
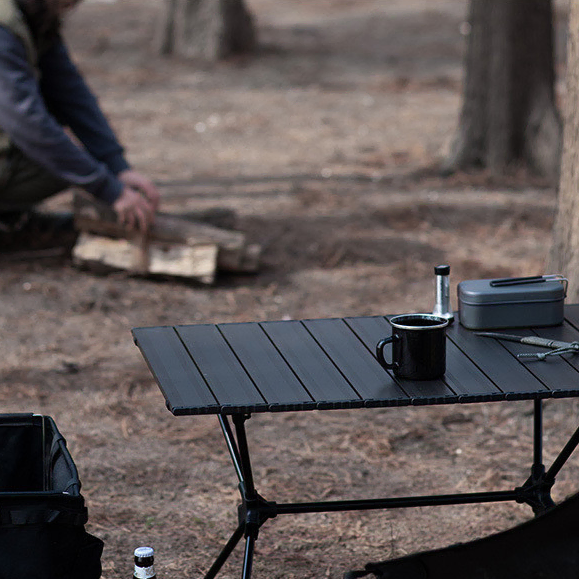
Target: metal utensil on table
pixel 557 347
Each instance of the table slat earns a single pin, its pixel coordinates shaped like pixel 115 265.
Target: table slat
pixel 496 362
pixel 227 378
pixel 183 387
pixel 553 372
pixel 354 360
pixel 265 365
pixel 325 384
pixel 565 333
pixel 572 314
pixel 466 380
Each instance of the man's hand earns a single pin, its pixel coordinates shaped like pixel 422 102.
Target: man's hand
pixel 142 184
pixel 134 210
pixel 138 201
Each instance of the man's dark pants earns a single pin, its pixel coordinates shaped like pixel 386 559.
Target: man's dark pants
pixel 24 183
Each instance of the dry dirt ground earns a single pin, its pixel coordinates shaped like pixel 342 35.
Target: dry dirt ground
pixel 325 143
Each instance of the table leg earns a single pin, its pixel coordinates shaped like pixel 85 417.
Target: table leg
pixel 536 491
pixel 225 552
pixel 243 454
pixel 563 456
pixel 254 510
pixel 538 433
pixel 231 446
pixel 242 466
pixel 248 557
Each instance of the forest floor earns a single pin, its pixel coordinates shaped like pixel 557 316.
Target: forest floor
pixel 326 144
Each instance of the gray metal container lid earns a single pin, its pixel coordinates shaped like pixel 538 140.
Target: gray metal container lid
pixel 480 291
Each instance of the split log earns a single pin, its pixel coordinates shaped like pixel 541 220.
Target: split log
pixel 198 262
pixel 234 254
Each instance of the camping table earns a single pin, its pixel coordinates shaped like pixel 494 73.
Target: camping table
pixel 236 369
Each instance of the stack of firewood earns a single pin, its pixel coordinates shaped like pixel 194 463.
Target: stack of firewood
pixel 175 245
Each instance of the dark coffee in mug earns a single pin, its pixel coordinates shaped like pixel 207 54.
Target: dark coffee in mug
pixel 418 347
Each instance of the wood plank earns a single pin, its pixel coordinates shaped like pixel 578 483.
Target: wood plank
pixel 315 370
pixel 175 228
pixel 218 364
pixel 496 362
pixel 372 329
pixel 199 262
pixel 354 361
pixel 268 370
pixel 115 253
pixel 240 260
pixel 233 254
pixel 96 217
pixel 184 388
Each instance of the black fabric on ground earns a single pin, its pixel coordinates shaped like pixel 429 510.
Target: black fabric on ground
pixel 42 512
pixel 546 547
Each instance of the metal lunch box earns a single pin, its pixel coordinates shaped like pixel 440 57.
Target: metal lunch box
pixel 512 302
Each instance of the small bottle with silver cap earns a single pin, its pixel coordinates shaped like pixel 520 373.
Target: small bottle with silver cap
pixel 442 307
pixel 144 563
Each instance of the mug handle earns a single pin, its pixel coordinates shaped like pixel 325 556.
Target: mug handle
pixel 380 353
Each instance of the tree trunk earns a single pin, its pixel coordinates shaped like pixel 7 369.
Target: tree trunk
pixel 509 116
pixel 165 39
pixel 208 30
pixel 564 257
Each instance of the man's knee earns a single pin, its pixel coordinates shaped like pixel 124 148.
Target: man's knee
pixel 24 183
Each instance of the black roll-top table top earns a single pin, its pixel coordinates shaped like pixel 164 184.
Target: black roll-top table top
pixel 329 363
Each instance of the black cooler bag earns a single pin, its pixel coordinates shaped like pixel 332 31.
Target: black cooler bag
pixel 42 513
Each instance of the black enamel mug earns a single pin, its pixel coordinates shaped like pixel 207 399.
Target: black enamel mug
pixel 418 347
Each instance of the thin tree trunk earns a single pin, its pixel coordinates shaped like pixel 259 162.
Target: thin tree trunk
pixel 509 116
pixel 208 30
pixel 165 40
pixel 564 256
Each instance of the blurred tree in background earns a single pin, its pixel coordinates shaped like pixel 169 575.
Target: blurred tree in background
pixel 207 30
pixel 509 115
pixel 564 256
